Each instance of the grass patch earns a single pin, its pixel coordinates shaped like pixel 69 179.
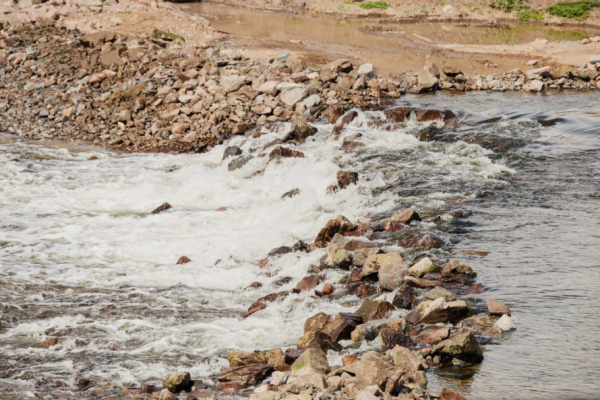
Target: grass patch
pixel 381 5
pixel 571 9
pixel 530 15
pixel 508 5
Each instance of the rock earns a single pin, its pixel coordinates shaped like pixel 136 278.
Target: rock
pixel 477 323
pixel 454 267
pixel 201 394
pixel 361 255
pixel 312 101
pixel 232 83
pixel 51 342
pixel 398 114
pixel 161 208
pixel 290 98
pixel 316 323
pixel 309 282
pixel 433 335
pixel 432 69
pixel 375 369
pixel 237 358
pixel 346 178
pixel 449 11
pixel 312 361
pixel 405 298
pixel 279 378
pixel 496 307
pixel 318 340
pixel 109 58
pixel 339 225
pixel 504 324
pixel 451 71
pixel 375 262
pixel 260 304
pixel 283 152
pixel 426 79
pixel 166 394
pixel 534 86
pixel 462 346
pixel 301 130
pixel 392 337
pixel 239 162
pixel 183 260
pixel 167 37
pixel 420 283
pixel 537 73
pixel 368 71
pixel 445 394
pixel 177 381
pixel 231 380
pixel 311 380
pixel 96 38
pixel 350 359
pixel 438 292
pixel 595 59
pixel 340 326
pixel 365 395
pixel 374 309
pixel 363 289
pixel 391 275
pixel 432 312
pixel 231 151
pixel 328 289
pixel 397 221
pixel 564 71
pixel 422 267
pixel 269 87
pixel 404 358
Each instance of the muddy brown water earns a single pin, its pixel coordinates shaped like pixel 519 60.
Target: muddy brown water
pixel 391 47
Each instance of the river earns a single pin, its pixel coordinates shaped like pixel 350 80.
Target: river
pixel 82 259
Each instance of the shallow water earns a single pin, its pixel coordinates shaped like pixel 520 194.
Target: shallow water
pixel 391 47
pixel 81 259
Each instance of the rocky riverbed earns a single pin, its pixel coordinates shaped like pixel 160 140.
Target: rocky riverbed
pixel 407 305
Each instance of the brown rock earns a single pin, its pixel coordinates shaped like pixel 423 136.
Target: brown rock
pixel 375 262
pixel 398 114
pixel 328 289
pixel 445 394
pixel 316 323
pixel 339 225
pixel 363 289
pixel 462 346
pixel 183 260
pixel 51 342
pixel 405 297
pixel 318 340
pixel 433 335
pixel 237 358
pixel 260 304
pixel 350 359
pixel 301 130
pixel 233 379
pixel 309 282
pixel 392 337
pixel 283 152
pixel 421 283
pixel 361 255
pixel 374 309
pixel 340 326
pixel 346 178
pixel 498 308
pixel 439 310
pixel 161 208
pixel 403 218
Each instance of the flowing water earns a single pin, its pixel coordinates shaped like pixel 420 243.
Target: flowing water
pixel 82 260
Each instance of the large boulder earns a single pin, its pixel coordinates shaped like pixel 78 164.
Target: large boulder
pixel 462 346
pixel 432 312
pixel 374 309
pixel 375 262
pixel 310 362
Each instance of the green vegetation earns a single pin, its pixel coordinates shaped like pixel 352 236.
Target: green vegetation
pixel 508 5
pixel 530 15
pixel 382 5
pixel 572 9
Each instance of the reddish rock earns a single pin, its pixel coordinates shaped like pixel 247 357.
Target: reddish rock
pixel 390 337
pixel 183 260
pixel 355 276
pixel 316 323
pixel 397 221
pixel 405 297
pixel 234 379
pixel 161 208
pixel 445 394
pixel 398 114
pixel 309 282
pixel 284 152
pixel 260 304
pixel 340 326
pixel 354 245
pixel 339 225
pixel 433 335
pixel 328 289
pixel 254 285
pixel 363 289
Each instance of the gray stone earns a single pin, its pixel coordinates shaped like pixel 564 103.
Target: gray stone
pixel 291 97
